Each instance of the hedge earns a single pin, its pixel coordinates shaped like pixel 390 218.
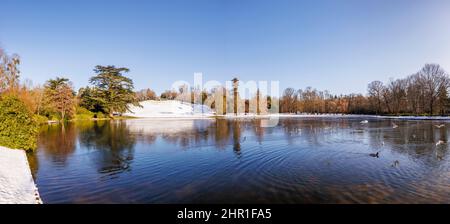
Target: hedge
pixel 18 128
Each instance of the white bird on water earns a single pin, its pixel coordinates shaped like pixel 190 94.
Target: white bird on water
pixel 364 122
pixel 440 126
pixel 396 163
pixel 394 125
pixel 440 142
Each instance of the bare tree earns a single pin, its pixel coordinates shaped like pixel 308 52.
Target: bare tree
pixel 169 95
pixel 9 72
pixel 375 90
pixel 288 101
pixel 235 95
pixel 397 89
pixel 146 94
pixel 433 77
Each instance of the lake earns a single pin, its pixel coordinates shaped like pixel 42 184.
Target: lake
pixel 302 160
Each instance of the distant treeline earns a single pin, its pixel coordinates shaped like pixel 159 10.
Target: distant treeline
pixel 422 93
pixel 111 92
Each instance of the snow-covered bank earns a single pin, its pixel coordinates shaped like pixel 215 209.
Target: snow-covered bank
pixel 365 116
pixel 16 183
pixel 355 116
pixel 415 117
pixel 169 109
pixel 180 110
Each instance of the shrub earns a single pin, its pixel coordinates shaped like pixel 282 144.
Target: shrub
pixel 55 117
pixel 82 110
pixel 100 115
pixel 83 114
pixel 41 119
pixel 18 128
pixel 83 117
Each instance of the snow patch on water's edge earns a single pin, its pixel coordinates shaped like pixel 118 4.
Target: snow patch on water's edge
pixel 16 182
pixel 173 109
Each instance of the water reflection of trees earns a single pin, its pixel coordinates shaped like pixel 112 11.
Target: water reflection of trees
pixel 185 139
pixel 58 141
pixel 33 161
pixel 312 130
pixel 114 144
pixel 236 124
pixel 258 130
pixel 114 141
pixel 221 133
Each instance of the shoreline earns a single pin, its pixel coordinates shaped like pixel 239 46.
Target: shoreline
pixel 266 116
pixel 16 181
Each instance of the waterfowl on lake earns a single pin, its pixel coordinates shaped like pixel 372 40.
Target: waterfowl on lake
pixel 440 142
pixel 364 122
pixel 396 163
pixel 377 155
pixel 394 125
pixel 440 126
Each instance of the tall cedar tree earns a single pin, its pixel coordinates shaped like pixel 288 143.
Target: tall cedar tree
pixel 114 90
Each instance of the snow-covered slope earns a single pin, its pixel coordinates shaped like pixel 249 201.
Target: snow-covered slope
pixel 169 108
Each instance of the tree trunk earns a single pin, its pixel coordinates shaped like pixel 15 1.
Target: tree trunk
pixel 257 103
pixel 235 102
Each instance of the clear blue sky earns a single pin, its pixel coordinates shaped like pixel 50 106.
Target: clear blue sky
pixel 338 45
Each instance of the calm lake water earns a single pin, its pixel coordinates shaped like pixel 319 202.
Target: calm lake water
pixel 302 160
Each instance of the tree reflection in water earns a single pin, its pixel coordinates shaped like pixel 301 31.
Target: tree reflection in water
pixel 58 141
pixel 298 156
pixel 112 142
pixel 115 140
pixel 236 126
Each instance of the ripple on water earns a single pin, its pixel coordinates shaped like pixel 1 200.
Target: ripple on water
pixel 299 161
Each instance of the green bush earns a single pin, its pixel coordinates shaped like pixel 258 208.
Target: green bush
pixel 100 115
pixel 83 117
pixel 82 110
pixel 41 119
pixel 55 117
pixel 18 128
pixel 83 114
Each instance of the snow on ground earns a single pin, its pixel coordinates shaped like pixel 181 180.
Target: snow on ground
pixel 177 109
pixel 167 109
pixel 365 116
pixel 16 183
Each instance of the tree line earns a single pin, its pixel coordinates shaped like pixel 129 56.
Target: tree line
pixel 110 92
pixel 422 93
